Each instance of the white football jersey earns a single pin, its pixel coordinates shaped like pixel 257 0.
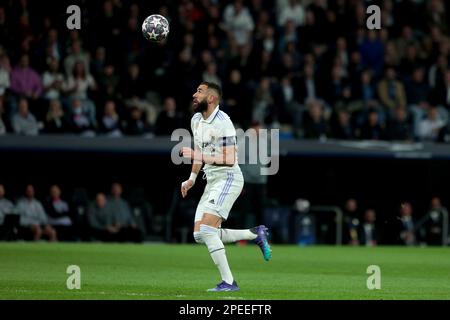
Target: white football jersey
pixel 211 135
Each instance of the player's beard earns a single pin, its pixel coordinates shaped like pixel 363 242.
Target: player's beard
pixel 202 106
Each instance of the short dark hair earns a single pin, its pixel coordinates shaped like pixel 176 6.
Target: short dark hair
pixel 214 86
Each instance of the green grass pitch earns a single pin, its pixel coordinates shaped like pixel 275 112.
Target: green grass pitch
pixel 166 271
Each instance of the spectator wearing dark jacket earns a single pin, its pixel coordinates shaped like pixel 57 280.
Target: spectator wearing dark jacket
pixel 372 130
pixel 59 214
pixel 55 120
pixel 400 127
pixel 168 120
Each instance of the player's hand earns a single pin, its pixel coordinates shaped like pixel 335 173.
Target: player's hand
pixel 187 152
pixel 185 186
pixel 191 154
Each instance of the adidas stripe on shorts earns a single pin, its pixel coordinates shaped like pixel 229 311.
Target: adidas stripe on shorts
pixel 220 193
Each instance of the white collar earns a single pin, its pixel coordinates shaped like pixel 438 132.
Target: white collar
pixel 211 116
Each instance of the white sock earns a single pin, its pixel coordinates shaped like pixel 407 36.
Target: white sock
pixel 217 251
pixel 232 235
pixel 198 237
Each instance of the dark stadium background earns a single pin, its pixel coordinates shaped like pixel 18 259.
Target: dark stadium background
pixel 379 182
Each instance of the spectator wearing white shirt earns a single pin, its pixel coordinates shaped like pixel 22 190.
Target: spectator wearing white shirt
pixel 24 122
pixel 76 55
pixel 52 80
pixel 291 10
pixel 33 217
pixel 430 127
pixel 238 22
pixel 4 81
pixel 77 86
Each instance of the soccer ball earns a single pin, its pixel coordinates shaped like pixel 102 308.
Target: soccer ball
pixel 155 28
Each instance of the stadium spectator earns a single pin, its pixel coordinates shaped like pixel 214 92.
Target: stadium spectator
pixel 4 81
pixel 309 88
pixel 314 124
pixel 288 36
pixel 342 127
pixel 434 226
pixel 24 122
pixel 368 230
pixel 123 219
pixel 52 81
pixel 287 104
pixel 109 83
pixel 437 71
pixel 80 120
pixel 77 86
pixel 59 214
pixel 33 217
pixel 364 89
pixel 263 102
pixel 4 60
pixel 237 98
pixel 133 85
pixel 391 91
pixel 25 81
pixel 407 232
pixel 2 111
pixel 372 129
pixel 100 219
pixel 400 127
pixel 372 52
pixel 169 119
pixel 110 124
pixel 76 55
pixel 238 22
pixel 55 119
pixel 351 222
pixel 417 89
pixel 52 45
pixel 441 93
pixel 99 62
pixel 136 126
pixel 290 10
pixel 6 207
pixel 210 74
pixel 430 127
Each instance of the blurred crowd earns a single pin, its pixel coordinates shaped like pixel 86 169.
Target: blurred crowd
pixel 308 67
pixel 113 217
pixel 409 228
pixel 109 218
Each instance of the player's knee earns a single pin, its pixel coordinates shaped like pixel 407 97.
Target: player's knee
pixel 198 237
pixel 210 237
pixel 207 232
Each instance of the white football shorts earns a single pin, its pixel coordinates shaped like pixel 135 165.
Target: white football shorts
pixel 220 193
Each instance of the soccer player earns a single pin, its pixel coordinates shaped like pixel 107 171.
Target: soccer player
pixel 215 147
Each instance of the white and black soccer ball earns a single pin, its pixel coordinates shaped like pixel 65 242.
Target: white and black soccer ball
pixel 155 28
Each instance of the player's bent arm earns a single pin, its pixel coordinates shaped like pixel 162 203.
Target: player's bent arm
pixel 227 158
pixel 196 166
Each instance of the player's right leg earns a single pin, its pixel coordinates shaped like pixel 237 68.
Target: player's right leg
pixel 205 231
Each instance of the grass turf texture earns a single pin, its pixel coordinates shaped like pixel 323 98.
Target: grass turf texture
pixel 163 271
